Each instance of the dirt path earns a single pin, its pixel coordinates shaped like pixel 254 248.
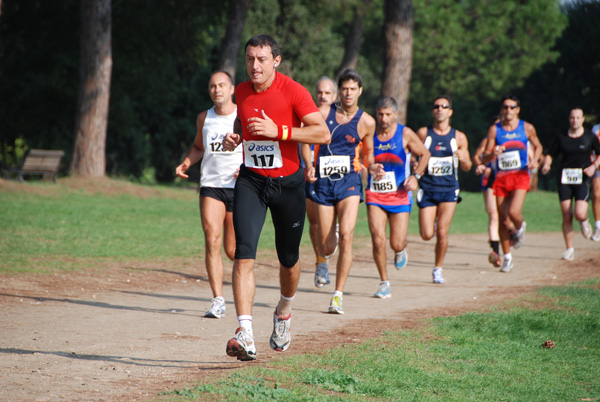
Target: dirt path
pixel 130 331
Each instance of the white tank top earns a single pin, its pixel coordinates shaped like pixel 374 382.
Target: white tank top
pixel 218 165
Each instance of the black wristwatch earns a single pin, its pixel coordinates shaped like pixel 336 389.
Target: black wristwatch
pixel 418 176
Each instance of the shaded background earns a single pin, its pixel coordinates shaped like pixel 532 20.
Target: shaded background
pixel 547 52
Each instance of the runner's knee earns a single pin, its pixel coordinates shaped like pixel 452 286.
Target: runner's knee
pixel 289 260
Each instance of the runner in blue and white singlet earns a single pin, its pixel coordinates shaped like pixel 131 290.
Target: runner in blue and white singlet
pixel 515 143
pixel 509 141
pixel 337 186
pixel 441 174
pixel 438 195
pixel 389 194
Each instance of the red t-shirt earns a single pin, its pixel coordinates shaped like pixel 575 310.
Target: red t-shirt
pixel 285 102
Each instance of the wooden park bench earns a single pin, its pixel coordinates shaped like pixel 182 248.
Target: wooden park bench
pixel 37 161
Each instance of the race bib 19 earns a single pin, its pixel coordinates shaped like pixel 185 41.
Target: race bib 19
pixel 386 185
pixel 572 176
pixel 262 154
pixel 440 166
pixel 334 164
pixel 509 160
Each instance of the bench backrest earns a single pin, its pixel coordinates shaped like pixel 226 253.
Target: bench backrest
pixel 42 160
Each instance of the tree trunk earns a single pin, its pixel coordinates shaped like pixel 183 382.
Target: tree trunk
pixel 95 68
pixel 398 32
pixel 233 35
pixel 354 38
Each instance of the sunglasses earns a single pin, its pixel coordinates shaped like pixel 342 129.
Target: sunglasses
pixel 436 107
pixel 511 107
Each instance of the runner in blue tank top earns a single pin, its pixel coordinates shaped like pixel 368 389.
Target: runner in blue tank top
pixel 336 178
pixel 508 141
pixel 389 198
pixel 438 195
pixel 325 95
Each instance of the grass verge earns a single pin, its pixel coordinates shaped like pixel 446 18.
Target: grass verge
pixel 45 227
pixel 492 356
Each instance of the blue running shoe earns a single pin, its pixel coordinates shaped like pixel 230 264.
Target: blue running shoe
pixel 322 275
pixel 384 291
pixel 401 259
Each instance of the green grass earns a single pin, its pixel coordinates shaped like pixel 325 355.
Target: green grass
pixel 492 356
pixel 58 227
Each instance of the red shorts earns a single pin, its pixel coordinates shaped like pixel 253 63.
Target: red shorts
pixel 505 184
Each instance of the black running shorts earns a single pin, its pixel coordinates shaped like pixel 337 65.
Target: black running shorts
pixel 225 195
pixel 285 198
pixel 581 192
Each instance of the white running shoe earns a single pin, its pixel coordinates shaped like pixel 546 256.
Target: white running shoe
pixel 241 346
pixel 217 310
pixel 520 237
pixel 336 306
pixel 322 275
pixel 596 234
pixel 384 291
pixel 586 229
pixel 437 276
pixel 401 259
pixel 568 255
pixel 507 265
pixel 281 336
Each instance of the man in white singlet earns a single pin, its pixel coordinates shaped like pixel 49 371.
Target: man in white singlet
pixel 217 179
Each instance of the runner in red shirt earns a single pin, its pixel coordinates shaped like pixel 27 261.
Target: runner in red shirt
pixel 271 110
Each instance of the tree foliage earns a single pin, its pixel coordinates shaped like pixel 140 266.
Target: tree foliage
pixel 164 52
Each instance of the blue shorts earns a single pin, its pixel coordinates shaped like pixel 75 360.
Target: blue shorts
pixel 393 209
pixel 434 198
pixel 330 192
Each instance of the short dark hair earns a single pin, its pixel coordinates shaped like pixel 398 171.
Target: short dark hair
pixel 385 102
pixel 447 97
pixel 350 74
pixel 577 108
pixel 510 97
pixel 264 40
pixel 223 72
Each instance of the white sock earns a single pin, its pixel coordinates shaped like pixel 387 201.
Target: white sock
pixel 338 293
pixel 597 224
pixel 440 268
pixel 508 256
pixel 220 298
pixel 245 322
pixel 284 308
pixel 571 249
pixel 385 283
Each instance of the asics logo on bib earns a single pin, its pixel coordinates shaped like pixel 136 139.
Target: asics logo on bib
pixel 261 148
